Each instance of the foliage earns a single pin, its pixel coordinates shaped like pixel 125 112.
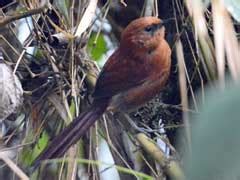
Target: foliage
pixel 215 137
pixel 97 47
pixel 28 155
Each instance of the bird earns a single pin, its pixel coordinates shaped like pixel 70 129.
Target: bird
pixel 136 71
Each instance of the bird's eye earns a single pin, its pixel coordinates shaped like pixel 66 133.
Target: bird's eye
pixel 148 29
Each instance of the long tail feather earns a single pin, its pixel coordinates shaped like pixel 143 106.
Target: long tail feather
pixel 72 133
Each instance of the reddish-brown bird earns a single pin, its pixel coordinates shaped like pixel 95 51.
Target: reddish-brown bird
pixel 133 75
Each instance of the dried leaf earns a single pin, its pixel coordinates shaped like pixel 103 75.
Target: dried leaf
pixel 11 92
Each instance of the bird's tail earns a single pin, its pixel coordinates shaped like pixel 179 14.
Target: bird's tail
pixel 72 133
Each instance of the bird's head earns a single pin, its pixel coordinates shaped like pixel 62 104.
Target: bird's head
pixel 143 34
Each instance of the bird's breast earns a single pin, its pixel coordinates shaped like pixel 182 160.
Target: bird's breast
pixel 155 67
pixel 136 96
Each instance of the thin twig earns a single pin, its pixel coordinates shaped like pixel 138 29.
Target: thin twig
pixel 183 90
pixel 14 167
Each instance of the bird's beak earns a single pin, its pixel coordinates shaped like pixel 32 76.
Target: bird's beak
pixel 160 25
pixel 166 21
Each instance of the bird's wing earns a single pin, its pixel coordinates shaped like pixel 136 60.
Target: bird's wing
pixel 119 74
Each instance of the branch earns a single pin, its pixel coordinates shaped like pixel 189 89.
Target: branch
pixel 170 166
pixel 8 19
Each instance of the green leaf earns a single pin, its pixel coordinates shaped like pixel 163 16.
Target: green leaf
pixel 38 53
pixel 28 154
pixel 99 49
pixel 41 145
